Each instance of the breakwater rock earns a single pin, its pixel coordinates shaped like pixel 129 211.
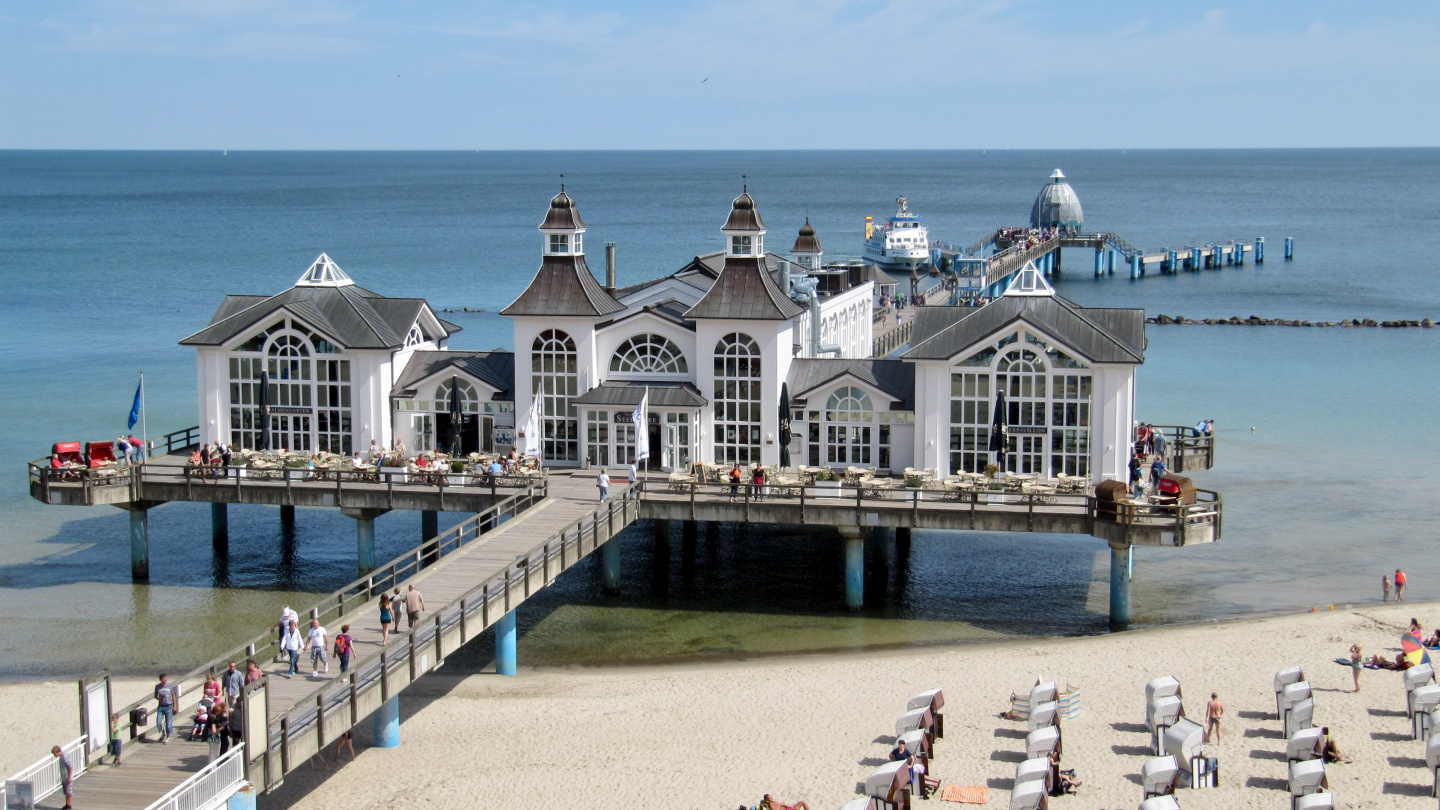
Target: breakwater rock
pixel 1255 320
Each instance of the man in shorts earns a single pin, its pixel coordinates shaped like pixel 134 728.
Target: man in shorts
pixel 414 604
pixel 317 648
pixel 67 776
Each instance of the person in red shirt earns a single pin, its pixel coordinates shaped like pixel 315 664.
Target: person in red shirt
pixel 1399 585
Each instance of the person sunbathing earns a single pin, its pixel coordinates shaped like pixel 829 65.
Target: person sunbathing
pixel 768 803
pixel 1329 751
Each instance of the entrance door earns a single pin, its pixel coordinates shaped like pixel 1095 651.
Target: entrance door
pixel 671 459
pixel 290 432
pixel 470 435
pixel 442 432
pixel 487 434
pixel 656 445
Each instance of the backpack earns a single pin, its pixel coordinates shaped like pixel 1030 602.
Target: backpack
pixel 343 644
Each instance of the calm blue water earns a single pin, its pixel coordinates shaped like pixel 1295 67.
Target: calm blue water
pixel 108 259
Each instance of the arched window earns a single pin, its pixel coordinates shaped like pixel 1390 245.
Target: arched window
pixel 290 388
pixel 469 400
pixel 555 378
pixel 737 399
pixel 848 415
pixel 415 336
pixel 649 354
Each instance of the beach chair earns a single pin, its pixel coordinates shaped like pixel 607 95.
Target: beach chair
pixel 1303 746
pixel 1299 718
pixel 859 804
pixel 1306 778
pixel 1042 715
pixel 1040 742
pixel 1425 699
pixel 1033 770
pixel 1164 713
pixel 1291 695
pixel 916 719
pixel 1160 803
pixel 1184 742
pixel 1159 776
pixel 890 785
pixel 1158 688
pixel 1316 801
pixel 1432 762
pixel 1043 692
pixel 1030 796
pixel 934 700
pixel 1414 678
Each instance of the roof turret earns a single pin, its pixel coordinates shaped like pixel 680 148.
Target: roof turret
pixel 744 216
pixel 807 241
pixel 563 215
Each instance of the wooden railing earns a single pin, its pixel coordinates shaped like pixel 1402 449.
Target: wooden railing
pixel 893 339
pixel 1185 451
pixel 319 719
pixel 348 598
pixel 176 441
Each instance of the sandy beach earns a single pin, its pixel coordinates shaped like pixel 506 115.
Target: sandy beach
pixel 719 735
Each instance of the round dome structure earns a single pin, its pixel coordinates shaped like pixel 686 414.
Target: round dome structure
pixel 1056 206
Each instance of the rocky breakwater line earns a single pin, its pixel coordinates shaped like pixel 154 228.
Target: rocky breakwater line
pixel 1255 320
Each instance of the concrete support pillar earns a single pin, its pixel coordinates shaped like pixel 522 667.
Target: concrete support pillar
pixel 387 723
pixel 1099 263
pixel 1111 260
pixel 505 644
pixel 662 530
pixel 219 526
pixel 1137 266
pixel 364 535
pixel 1120 568
pixel 1056 255
pixel 244 799
pixel 140 545
pixel 1239 254
pixel 429 524
pixel 287 517
pixel 1174 257
pixel 1195 259
pixel 854 567
pixel 689 530
pixel 1259 250
pixel 610 560
pixel 902 535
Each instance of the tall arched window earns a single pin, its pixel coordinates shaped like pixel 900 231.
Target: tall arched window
pixel 290 393
pixel 848 417
pixel 649 354
pixel 1021 374
pixel 555 379
pixel 469 400
pixel 737 399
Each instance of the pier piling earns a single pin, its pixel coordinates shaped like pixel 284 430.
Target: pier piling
pixel 1259 250
pixel 287 518
pixel 140 544
pixel 1174 258
pixel 1120 568
pixel 364 535
pixel 219 526
pixel 1137 266
pixel 1195 259
pixel 429 524
pixel 387 723
pixel 1099 263
pixel 505 644
pixel 610 560
pixel 854 567
pixel 1289 248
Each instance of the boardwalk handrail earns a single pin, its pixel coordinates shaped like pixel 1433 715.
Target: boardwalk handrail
pixel 353 595
pixel 45 774
pixel 892 339
pixel 315 720
pixel 218 780
pixel 1182 446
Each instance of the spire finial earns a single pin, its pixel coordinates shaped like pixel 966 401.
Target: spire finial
pixel 744 184
pixel 562 182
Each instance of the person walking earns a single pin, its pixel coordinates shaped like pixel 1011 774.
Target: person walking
pixel 1399 585
pixel 603 482
pixel 1137 481
pixel 344 645
pixel 397 607
pixel 414 605
pixel 633 473
pixel 385 618
pixel 67 776
pixel 233 682
pixel 1214 710
pixel 316 637
pixel 1356 661
pixel 1158 438
pixel 1384 587
pixel 1157 472
pixel 166 696
pixel 290 644
pixel 286 617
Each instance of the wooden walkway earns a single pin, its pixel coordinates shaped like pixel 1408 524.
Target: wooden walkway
pixel 527 541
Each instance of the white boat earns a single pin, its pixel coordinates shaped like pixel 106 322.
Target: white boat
pixel 903 243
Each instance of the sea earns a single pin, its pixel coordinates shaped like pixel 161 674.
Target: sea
pixel 1327 438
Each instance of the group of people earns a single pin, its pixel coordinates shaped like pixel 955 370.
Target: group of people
pixel 392 607
pixel 215 456
pixel 1399 592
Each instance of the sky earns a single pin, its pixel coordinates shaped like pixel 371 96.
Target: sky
pixel 737 74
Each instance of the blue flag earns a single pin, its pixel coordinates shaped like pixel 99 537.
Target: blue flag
pixel 135 408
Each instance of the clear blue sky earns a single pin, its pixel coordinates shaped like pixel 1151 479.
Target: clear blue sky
pixel 782 74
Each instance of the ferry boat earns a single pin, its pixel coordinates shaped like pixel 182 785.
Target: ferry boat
pixel 903 243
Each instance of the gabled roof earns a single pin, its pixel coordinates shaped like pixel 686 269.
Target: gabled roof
pixel 564 287
pixel 496 369
pixel 662 394
pixel 745 290
pixel 353 316
pixel 1100 335
pixel 894 377
pixel 672 311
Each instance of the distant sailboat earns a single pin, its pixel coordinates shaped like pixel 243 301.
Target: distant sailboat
pixel 224 152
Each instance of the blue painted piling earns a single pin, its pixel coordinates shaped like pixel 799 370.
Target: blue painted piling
pixel 505 644
pixel 1289 248
pixel 387 723
pixel 1259 250
pixel 1174 259
pixel 1239 254
pixel 1120 569
pixel 429 524
pixel 1099 264
pixel 139 545
pixel 244 798
pixel 855 572
pixel 1195 259
pixel 365 543
pixel 1137 266
pixel 1111 260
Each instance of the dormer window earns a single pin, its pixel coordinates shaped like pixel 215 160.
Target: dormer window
pixel 740 245
pixel 560 242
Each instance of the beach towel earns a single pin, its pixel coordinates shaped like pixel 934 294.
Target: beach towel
pixel 965 794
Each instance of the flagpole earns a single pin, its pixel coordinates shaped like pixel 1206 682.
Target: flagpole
pixel 144 430
pixel 646 399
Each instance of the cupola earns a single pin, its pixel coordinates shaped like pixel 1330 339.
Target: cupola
pixel 744 230
pixel 563 229
pixel 807 250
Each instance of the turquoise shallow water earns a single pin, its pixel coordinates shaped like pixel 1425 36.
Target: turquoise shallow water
pixel 108 259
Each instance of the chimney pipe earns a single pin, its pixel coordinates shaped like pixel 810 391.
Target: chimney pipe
pixel 610 267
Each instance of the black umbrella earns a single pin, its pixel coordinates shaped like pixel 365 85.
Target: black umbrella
pixel 784 425
pixel 457 416
pixel 264 411
pixel 1000 430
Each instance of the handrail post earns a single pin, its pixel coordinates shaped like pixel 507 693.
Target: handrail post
pixel 858 490
pixel 802 502
pixel 692 498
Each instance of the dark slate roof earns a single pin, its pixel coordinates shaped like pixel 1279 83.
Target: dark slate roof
pixel 744 216
pixel 894 377
pixel 354 317
pixel 662 395
pixel 564 287
pixel 1100 335
pixel 880 277
pixel 807 241
pixel 496 369
pixel 673 311
pixel 563 213
pixel 745 290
